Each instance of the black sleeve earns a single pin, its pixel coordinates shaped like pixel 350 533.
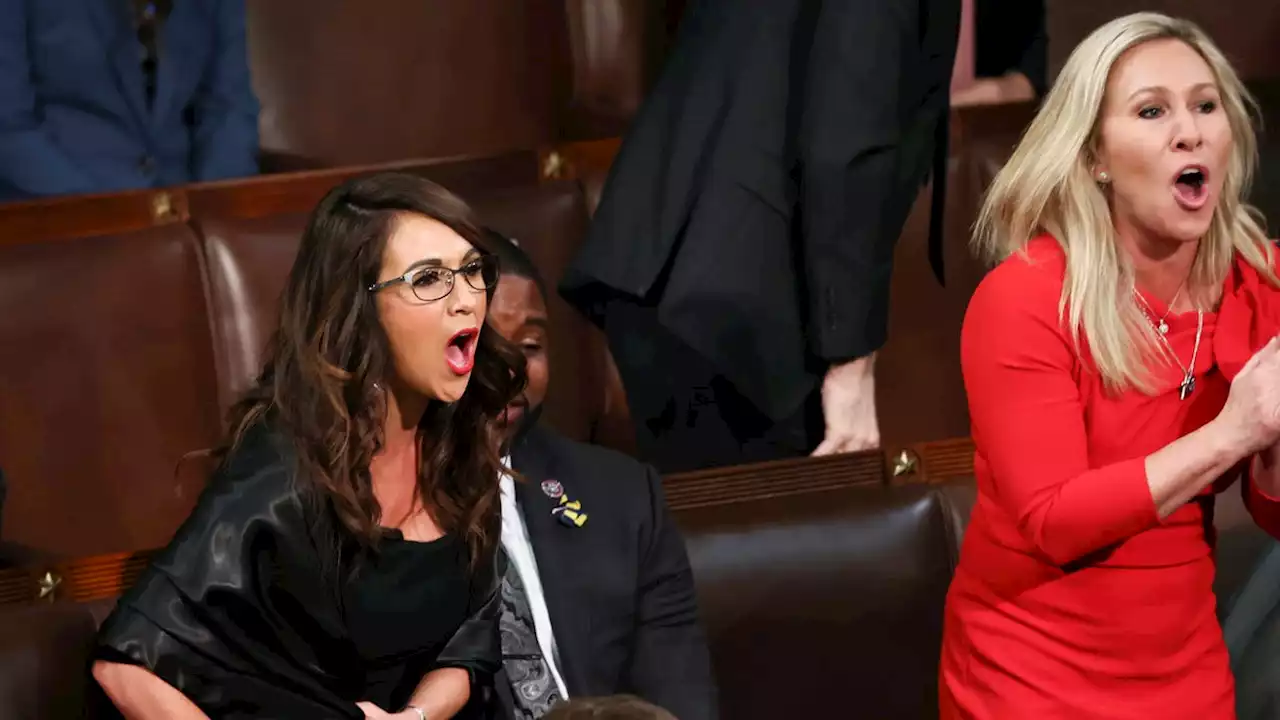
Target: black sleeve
pixel 1011 36
pixel 476 645
pixel 671 665
pixel 234 612
pixel 849 147
pixel 1034 60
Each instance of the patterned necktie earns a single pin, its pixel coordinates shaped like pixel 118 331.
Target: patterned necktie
pixel 532 686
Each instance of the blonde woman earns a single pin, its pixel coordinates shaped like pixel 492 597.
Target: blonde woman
pixel 1122 368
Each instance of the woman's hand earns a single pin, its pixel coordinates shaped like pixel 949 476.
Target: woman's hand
pixel 1250 420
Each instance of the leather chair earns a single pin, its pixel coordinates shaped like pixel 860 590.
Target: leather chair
pixel 107 377
pixel 1244 29
pixel 44 660
pixel 616 47
pixel 340 84
pixel 463 76
pixel 825 604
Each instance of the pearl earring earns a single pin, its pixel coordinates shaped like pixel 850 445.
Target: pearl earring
pixel 1104 177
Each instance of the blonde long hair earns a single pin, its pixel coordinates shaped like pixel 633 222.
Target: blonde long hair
pixel 1048 187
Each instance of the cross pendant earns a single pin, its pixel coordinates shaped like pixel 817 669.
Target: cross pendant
pixel 1187 387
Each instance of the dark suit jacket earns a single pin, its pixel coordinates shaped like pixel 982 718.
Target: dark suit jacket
pixel 73 109
pixel 760 190
pixel 619 589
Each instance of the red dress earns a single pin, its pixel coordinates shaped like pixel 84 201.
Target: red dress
pixel 1072 599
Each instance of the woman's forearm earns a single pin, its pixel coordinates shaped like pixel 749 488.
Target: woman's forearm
pixel 1180 470
pixel 140 695
pixel 442 693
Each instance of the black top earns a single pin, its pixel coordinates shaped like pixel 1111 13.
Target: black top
pixel 252 611
pixel 401 608
pixel 1009 35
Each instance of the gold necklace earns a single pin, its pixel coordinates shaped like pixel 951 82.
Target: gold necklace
pixel 1161 326
pixel 1188 384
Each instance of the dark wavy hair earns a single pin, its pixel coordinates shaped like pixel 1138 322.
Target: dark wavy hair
pixel 317 385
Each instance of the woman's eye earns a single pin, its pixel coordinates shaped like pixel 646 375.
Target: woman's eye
pixel 427 278
pixel 1149 113
pixel 1207 106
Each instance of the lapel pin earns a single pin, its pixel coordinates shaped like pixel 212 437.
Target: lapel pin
pixel 569 513
pixel 552 489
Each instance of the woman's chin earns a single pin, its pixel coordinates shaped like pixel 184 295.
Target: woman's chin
pixel 1189 231
pixel 1180 230
pixel 451 391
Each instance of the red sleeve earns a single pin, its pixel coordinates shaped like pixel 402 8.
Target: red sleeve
pixel 1028 420
pixel 1264 508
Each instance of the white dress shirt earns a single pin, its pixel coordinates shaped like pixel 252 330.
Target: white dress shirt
pixel 515 540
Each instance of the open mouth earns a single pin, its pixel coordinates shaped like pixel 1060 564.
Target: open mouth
pixel 460 351
pixel 1191 187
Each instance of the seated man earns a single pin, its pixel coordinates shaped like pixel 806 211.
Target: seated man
pixel 608 602
pixel 102 95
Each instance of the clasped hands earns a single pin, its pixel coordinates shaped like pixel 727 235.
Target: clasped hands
pixel 1250 420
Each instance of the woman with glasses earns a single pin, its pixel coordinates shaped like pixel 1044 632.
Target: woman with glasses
pixel 342 562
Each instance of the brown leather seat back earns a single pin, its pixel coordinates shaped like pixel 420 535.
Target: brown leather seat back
pixel 44 660
pixel 106 381
pixel 1244 29
pixel 249 261
pixel 825 604
pixel 345 85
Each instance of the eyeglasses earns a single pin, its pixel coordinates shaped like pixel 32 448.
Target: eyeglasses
pixel 432 282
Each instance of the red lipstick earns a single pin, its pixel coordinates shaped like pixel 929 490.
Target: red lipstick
pixel 460 351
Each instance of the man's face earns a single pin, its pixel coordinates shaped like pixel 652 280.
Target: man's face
pixel 519 314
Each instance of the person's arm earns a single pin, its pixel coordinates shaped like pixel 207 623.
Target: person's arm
pixel 670 665
pixel 140 695
pixel 1033 63
pixel 1028 422
pixel 225 137
pixel 848 147
pixel 849 151
pixel 31 161
pixel 1261 488
pixel 237 611
pixel 1012 87
pixel 1018 32
pixel 441 694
